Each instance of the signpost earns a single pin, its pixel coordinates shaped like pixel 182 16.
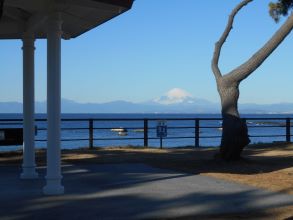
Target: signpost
pixel 161 131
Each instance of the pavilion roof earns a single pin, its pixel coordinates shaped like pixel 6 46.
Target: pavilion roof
pixel 79 16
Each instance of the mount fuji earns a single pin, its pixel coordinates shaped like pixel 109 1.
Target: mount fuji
pixel 174 101
pixel 181 97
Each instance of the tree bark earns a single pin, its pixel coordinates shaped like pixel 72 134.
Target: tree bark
pixel 235 132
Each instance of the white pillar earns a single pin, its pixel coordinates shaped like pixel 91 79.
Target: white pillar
pixel 53 178
pixel 28 166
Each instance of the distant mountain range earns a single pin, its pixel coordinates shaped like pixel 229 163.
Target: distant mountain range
pixel 190 106
pixel 174 101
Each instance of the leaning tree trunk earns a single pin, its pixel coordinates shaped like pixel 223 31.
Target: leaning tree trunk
pixel 235 133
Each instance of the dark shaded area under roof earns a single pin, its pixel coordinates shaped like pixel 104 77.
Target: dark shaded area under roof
pixel 79 16
pixel 1 8
pixel 123 3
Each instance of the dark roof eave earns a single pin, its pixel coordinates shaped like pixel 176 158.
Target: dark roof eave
pixel 122 3
pixel 125 4
pixel 1 8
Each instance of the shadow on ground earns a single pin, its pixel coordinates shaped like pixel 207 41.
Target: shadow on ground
pixel 124 191
pixel 256 159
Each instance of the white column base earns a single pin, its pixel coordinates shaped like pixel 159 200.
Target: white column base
pixel 53 187
pixel 29 173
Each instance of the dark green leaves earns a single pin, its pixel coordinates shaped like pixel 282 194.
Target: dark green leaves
pixel 280 8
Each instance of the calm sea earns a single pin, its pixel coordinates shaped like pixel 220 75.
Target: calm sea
pixel 209 136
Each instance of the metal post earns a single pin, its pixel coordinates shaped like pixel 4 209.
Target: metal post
pixel 288 130
pixel 161 143
pixel 196 132
pixel 145 132
pixel 91 133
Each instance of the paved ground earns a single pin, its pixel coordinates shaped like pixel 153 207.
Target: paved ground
pixel 128 191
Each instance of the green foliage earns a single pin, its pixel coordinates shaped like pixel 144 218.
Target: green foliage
pixel 280 8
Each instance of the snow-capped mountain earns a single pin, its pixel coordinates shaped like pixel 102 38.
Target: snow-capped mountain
pixel 174 96
pixel 174 101
pixel 179 96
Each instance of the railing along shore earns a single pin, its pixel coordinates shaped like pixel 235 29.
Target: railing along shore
pixel 91 126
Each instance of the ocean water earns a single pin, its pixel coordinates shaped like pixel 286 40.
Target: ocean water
pixel 180 132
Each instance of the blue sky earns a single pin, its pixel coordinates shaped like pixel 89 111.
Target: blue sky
pixel 157 46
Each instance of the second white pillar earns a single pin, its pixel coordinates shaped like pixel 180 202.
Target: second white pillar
pixel 54 177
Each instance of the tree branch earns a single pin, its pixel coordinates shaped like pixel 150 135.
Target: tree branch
pixel 244 70
pixel 219 44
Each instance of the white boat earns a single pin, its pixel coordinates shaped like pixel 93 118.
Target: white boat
pixel 119 129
